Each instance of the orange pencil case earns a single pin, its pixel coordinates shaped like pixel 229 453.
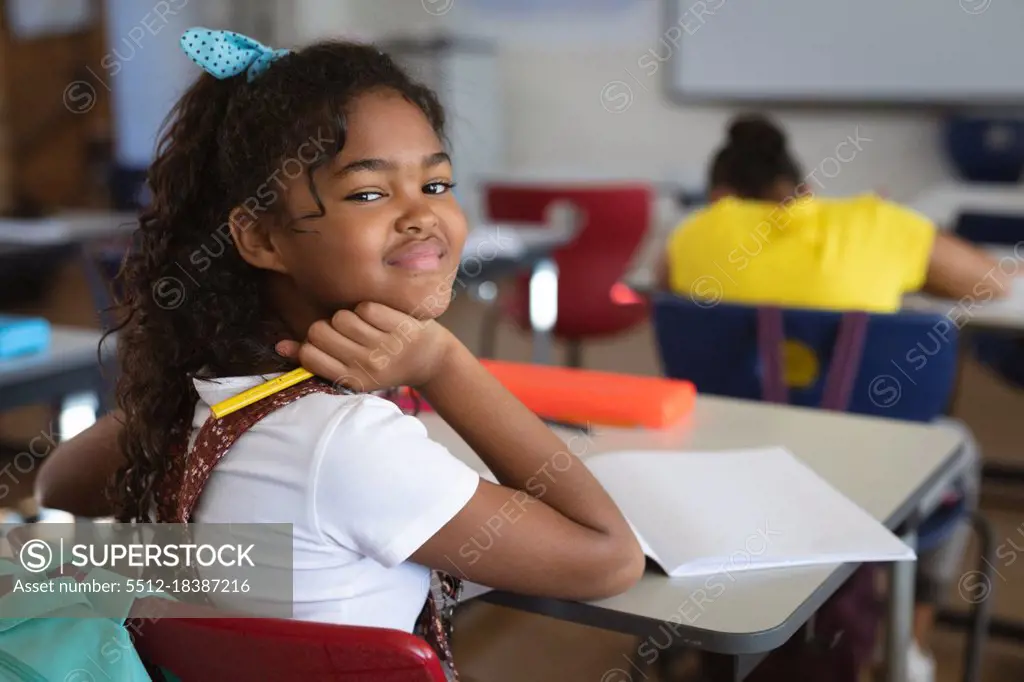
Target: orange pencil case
pixel 605 398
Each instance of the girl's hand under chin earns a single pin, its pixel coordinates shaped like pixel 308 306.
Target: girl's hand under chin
pixel 373 347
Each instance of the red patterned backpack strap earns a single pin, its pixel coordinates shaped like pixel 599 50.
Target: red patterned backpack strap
pixel 846 361
pixel 770 338
pixel 217 436
pixel 192 469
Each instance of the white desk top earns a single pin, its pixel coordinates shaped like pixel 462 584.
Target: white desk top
pixel 71 348
pixel 1006 314
pixel 79 226
pixel 851 452
pixel 943 203
pixel 512 241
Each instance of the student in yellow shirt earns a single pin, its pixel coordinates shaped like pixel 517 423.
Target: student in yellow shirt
pixel 766 238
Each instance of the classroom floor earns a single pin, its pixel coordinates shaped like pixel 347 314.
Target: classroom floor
pixel 494 644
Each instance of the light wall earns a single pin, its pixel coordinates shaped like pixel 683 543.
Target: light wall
pixel 567 80
pixel 556 116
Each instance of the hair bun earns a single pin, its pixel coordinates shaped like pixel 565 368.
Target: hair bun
pixel 755 134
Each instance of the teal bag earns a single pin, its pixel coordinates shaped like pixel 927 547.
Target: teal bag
pixel 60 636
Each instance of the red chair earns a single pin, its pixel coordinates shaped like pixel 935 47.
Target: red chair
pixel 615 220
pixel 170 638
pixel 182 642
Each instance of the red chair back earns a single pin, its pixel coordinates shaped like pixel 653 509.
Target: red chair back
pixel 195 649
pixel 615 220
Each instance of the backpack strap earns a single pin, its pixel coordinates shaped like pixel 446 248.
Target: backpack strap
pixel 842 373
pixel 191 470
pixel 846 360
pixel 769 349
pixel 216 437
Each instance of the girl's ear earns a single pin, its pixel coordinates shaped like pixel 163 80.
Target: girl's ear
pixel 252 239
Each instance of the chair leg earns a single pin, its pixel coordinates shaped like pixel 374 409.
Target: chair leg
pixel 575 354
pixel 489 331
pixel 981 613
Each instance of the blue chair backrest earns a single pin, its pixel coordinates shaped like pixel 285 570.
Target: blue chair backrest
pixel 907 370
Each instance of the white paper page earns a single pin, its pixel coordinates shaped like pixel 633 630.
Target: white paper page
pixel 489 476
pixel 646 548
pixel 708 512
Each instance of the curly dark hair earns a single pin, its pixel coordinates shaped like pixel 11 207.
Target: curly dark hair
pixel 192 306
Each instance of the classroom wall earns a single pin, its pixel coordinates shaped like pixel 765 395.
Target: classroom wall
pixel 583 96
pixel 143 51
pixel 560 116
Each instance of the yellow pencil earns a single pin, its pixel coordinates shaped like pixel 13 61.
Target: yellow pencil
pixel 258 393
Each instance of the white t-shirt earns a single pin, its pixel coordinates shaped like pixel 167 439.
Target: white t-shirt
pixel 363 486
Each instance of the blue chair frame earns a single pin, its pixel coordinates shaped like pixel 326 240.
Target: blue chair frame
pixel 907 371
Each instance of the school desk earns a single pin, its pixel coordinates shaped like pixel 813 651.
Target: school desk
pixel 640 276
pixel 973 314
pixel 32 249
pixel 70 365
pixel 495 250
pixel 978 313
pixel 895 470
pixel 1005 318
pixel 73 227
pixel 942 203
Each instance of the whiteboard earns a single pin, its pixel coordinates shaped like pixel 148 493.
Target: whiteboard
pixel 904 51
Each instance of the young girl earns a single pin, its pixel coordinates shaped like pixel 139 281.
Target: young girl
pixel 324 172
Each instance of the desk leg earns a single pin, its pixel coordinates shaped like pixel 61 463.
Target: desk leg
pixel 720 668
pixel 729 668
pixel 899 631
pixel 543 301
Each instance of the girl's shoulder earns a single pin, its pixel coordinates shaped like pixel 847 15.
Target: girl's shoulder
pixel 315 415
pixel 357 422
pixel 311 408
pixel 723 216
pixel 870 210
pixel 350 412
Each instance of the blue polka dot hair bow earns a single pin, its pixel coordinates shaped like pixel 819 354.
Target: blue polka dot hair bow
pixel 224 54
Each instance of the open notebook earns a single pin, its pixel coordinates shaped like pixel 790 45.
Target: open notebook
pixel 701 513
